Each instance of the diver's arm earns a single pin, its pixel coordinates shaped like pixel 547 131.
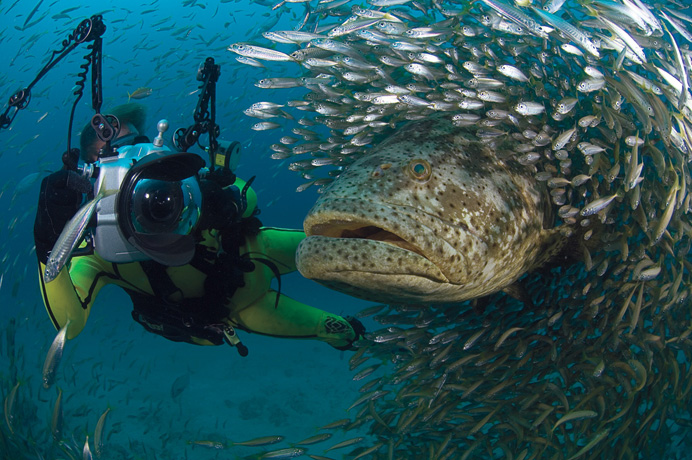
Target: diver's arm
pixel 251 197
pixel 292 319
pixel 279 245
pixel 60 197
pixel 72 293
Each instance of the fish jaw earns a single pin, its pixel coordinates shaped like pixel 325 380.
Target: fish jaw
pixel 417 279
pixel 350 254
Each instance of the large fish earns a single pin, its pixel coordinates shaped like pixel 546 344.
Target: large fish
pixel 431 214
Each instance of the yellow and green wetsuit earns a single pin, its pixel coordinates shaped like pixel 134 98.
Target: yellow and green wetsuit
pixel 253 305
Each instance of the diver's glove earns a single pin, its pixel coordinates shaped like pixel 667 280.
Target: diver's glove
pixel 222 176
pixel 59 199
pixel 358 329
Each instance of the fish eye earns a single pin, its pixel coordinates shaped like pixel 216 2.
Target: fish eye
pixel 419 169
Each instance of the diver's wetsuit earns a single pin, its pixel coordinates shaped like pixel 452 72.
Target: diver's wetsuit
pixel 252 307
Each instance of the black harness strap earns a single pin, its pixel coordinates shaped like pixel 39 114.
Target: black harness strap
pixel 92 287
pixel 170 322
pixel 204 259
pixel 160 282
pixel 275 270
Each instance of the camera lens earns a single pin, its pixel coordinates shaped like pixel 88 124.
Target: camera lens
pixel 157 206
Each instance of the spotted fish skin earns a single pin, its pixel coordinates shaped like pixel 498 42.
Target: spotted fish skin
pixel 431 214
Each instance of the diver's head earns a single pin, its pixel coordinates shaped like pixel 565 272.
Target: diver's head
pixel 132 117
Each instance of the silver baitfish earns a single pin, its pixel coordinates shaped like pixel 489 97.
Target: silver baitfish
pixel 68 240
pixel 53 357
pixel 564 114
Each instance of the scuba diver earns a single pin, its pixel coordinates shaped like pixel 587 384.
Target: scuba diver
pixel 182 240
pixel 187 248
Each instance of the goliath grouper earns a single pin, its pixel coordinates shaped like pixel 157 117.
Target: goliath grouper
pixel 432 214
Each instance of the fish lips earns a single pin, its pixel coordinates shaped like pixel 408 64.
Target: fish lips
pixel 388 254
pixel 353 266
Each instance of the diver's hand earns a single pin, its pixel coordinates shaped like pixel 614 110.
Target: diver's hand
pixel 358 329
pixel 60 197
pixel 219 205
pixel 222 176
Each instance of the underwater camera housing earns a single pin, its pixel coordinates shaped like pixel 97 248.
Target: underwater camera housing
pixel 151 202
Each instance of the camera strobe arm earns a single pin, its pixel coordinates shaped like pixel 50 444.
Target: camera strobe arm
pixel 88 30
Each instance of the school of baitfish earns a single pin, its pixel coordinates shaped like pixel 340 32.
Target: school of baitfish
pixel 592 99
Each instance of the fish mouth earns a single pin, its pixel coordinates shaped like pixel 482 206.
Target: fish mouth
pixel 368 261
pixel 364 231
pixel 350 238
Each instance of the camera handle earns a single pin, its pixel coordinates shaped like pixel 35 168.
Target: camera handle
pixel 205 112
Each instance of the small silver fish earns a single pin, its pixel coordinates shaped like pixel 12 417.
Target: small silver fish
pixel 354 26
pixel 264 125
pixel 8 407
pixel 279 82
pixel 86 452
pixel 590 85
pixel 289 452
pixel 570 31
pixel 597 205
pixel 257 52
pixel 527 108
pixel 290 36
pixel 68 240
pixel 249 61
pixel 517 16
pixel 512 72
pixel 98 433
pixel 27 182
pixel 57 419
pixel 53 357
pixel 566 105
pixel 388 2
pixel 630 42
pixel 421 70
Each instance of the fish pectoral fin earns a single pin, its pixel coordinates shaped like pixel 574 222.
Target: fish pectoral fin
pixel 517 291
pixel 555 249
pixel 560 250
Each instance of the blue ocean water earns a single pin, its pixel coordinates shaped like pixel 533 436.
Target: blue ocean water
pixel 283 387
pixel 162 396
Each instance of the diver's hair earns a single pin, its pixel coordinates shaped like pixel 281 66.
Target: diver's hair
pixel 130 113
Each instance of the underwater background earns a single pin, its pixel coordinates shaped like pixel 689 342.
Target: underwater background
pixel 284 387
pixel 170 400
